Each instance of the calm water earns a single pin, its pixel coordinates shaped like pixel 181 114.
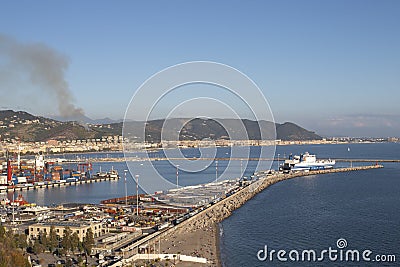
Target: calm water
pixel 302 213
pixel 314 212
pixel 95 192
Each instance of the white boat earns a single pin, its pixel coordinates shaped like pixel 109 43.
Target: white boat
pixel 112 174
pixel 306 162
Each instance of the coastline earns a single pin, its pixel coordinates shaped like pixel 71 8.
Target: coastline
pixel 155 149
pixel 199 242
pixel 218 244
pixel 200 236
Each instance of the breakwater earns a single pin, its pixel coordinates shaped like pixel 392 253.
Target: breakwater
pixel 209 217
pixel 188 236
pixel 224 208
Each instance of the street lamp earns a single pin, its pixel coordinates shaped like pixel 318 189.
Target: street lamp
pixel 126 189
pixel 216 170
pixel 241 168
pixel 177 176
pixel 137 194
pixel 351 162
pixel 278 161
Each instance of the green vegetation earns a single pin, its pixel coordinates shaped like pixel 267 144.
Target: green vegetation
pixel 12 248
pixel 27 127
pixel 69 243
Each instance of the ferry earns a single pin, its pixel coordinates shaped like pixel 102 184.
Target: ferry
pixel 306 162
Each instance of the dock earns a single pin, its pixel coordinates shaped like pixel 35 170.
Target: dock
pixel 56 185
pixel 223 209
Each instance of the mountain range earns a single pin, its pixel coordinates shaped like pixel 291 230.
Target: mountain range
pixel 20 125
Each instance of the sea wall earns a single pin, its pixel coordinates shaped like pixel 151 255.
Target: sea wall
pixel 225 207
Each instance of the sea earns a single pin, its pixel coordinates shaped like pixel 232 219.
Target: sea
pixel 340 211
pixel 354 211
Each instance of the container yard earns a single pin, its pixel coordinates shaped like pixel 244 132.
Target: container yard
pixel 18 175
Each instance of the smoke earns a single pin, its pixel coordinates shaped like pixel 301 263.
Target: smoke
pixel 44 67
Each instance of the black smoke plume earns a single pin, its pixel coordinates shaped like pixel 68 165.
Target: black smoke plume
pixel 44 67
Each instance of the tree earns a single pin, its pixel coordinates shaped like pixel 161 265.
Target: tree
pixel 38 247
pixel 43 240
pixel 74 241
pixel 66 240
pixel 53 239
pixel 20 241
pixel 10 249
pixel 2 232
pixel 88 243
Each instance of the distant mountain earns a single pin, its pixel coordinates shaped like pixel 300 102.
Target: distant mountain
pixel 291 131
pixel 198 129
pixel 85 119
pixel 27 127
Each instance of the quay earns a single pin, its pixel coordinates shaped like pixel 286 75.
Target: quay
pixel 224 208
pixel 209 217
pixel 55 185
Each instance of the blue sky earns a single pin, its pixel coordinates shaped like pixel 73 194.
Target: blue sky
pixel 330 66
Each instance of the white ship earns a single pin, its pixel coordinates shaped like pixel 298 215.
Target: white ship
pixel 306 162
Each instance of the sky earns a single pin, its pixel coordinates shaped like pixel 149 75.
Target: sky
pixel 330 66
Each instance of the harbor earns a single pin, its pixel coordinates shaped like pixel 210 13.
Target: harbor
pixel 20 174
pixel 38 186
pixel 160 226
pixel 178 240
pixel 145 228
pixel 153 158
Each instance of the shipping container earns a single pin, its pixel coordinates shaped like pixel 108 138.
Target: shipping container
pixel 21 179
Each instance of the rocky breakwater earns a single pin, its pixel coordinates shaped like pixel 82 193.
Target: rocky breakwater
pixel 198 235
pixel 224 208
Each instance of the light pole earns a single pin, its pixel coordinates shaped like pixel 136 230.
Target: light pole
pixel 126 189
pixel 137 194
pixel 351 162
pixel 177 176
pixel 241 168
pixel 278 161
pixel 216 170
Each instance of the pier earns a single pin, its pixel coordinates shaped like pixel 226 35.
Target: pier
pixel 216 213
pixel 224 208
pixel 56 185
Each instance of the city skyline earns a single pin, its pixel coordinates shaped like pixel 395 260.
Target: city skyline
pixel 331 67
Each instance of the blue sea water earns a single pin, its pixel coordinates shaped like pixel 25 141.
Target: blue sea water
pixel 303 213
pixel 95 192
pixel 312 213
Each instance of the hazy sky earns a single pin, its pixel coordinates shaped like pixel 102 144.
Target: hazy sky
pixel 330 66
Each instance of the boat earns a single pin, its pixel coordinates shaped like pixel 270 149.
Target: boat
pixel 306 162
pixel 19 201
pixel 112 174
